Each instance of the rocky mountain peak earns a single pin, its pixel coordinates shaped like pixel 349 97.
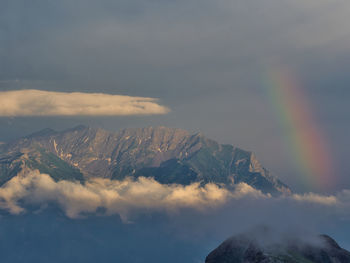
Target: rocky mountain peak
pixel 169 155
pixel 259 247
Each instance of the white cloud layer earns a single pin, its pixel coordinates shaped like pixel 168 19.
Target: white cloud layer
pixel 144 194
pixel 117 197
pixel 47 103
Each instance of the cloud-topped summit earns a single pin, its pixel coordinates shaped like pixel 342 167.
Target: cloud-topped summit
pixel 264 245
pixel 165 154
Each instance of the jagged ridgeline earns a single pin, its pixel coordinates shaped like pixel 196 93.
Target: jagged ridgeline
pixel 169 155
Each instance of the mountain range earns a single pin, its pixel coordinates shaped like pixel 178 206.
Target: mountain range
pixel 168 155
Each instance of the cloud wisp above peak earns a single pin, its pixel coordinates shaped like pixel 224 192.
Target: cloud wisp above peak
pixel 48 103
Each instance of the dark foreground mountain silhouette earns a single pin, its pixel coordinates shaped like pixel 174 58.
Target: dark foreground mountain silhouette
pixel 169 155
pixel 264 247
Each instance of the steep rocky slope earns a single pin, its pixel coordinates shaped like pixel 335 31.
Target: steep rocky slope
pixel 169 155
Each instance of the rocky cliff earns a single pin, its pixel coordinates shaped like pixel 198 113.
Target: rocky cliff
pixel 169 155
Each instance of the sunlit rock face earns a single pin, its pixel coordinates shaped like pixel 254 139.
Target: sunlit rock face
pixel 263 247
pixel 169 155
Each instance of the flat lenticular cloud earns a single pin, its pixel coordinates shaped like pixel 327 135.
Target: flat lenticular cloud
pixel 48 103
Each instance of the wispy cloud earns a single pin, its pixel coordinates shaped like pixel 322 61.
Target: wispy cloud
pixel 316 198
pixel 48 103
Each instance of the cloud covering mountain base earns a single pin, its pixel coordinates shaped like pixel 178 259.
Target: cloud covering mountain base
pixel 131 196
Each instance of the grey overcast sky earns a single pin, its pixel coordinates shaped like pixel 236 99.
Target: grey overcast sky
pixel 205 60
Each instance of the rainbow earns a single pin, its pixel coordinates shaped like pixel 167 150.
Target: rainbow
pixel 306 143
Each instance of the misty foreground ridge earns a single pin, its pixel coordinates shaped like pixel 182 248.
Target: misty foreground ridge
pixel 170 156
pixel 265 246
